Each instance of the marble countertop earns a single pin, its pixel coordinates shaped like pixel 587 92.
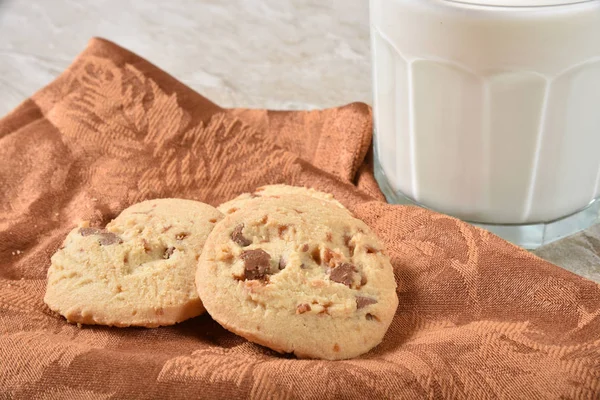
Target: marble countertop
pixel 281 54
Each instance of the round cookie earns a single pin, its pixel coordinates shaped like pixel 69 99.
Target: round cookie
pixel 299 275
pixel 138 271
pixel 275 191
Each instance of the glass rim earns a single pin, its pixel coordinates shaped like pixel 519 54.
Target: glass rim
pixel 512 4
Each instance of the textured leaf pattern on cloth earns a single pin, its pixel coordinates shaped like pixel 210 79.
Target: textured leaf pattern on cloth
pixel 478 317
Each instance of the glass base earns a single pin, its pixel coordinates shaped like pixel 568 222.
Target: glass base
pixel 529 236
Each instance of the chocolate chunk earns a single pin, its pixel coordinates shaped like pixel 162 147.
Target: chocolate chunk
pixel 282 263
pixel 212 220
pixel 257 264
pixel 168 252
pixel 343 273
pixel 302 308
pixel 108 238
pixel 316 255
pixel 238 237
pixel 304 247
pixel 364 301
pixel 264 219
pixel 90 231
pixel 371 317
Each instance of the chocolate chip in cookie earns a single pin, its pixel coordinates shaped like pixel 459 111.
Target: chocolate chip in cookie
pixel 343 273
pixel 257 264
pixel 106 238
pixel 362 301
pixel 89 231
pixel 238 236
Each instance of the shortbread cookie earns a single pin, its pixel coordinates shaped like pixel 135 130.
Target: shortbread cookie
pixel 275 191
pixel 138 271
pixel 299 275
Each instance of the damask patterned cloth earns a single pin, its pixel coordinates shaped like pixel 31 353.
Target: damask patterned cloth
pixel 478 317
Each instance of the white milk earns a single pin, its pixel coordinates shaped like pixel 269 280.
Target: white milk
pixel 489 113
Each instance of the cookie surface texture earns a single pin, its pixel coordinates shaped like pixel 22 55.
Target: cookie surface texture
pixel 298 275
pixel 138 271
pixel 275 191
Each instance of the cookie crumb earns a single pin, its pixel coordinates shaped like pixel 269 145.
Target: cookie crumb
pixel 182 235
pixel 282 263
pixel 281 230
pixel 147 248
pixel 302 308
pixel 350 246
pixel 363 280
pixel 168 253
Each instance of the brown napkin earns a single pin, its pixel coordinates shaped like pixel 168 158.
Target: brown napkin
pixel 478 317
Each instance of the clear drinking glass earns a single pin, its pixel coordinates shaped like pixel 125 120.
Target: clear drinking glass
pixel 489 110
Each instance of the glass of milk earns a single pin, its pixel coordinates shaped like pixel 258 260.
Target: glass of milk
pixel 489 110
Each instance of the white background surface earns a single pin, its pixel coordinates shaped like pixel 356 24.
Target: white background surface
pixel 281 54
pixel 288 54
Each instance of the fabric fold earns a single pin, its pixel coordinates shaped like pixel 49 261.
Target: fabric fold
pixel 478 317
